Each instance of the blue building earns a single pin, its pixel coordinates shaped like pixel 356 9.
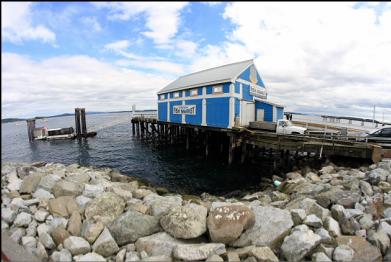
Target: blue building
pixel 226 96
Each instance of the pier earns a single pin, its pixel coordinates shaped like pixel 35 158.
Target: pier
pixel 246 142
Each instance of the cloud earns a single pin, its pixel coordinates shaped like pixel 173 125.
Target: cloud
pixel 59 84
pixel 162 20
pixel 117 46
pixel 313 56
pixel 16 24
pixel 92 23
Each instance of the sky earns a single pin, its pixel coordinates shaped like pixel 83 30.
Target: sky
pixel 317 57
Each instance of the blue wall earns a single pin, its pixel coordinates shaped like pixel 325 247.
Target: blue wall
pixel 177 118
pixel 246 76
pixel 209 89
pixel 162 109
pixel 268 111
pixel 280 113
pixel 246 93
pixel 197 118
pixel 237 87
pixel 217 112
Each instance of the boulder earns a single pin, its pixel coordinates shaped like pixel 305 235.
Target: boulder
pixel 90 230
pixel 47 241
pixel 324 235
pixel 263 254
pixel 82 202
pixel 313 221
pixel 59 234
pixel 78 178
pixel 92 191
pixel 157 244
pixel 22 220
pixel 347 199
pixel 343 253
pixel 105 245
pixel 160 205
pixel 74 224
pixel 132 256
pixel 379 239
pixel 185 221
pixel 226 223
pixel 29 242
pixel 40 252
pixel 363 250
pixel 299 244
pixel 61 256
pixel 332 226
pixel 30 183
pixel 17 234
pixel 192 252
pixel 298 216
pixel 310 207
pixel 66 188
pixel 125 194
pixel 77 245
pixel 42 194
pixel 377 175
pixel 32 229
pixel 8 214
pixel 105 208
pixel 215 258
pixel 320 257
pixel 91 257
pixel 141 193
pixel 41 215
pixel 120 257
pixel 48 182
pixel 132 225
pixel 271 226
pixel 63 206
pixel 366 188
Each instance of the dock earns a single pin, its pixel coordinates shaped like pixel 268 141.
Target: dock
pixel 245 141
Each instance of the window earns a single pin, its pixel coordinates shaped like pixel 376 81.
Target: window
pixel 194 92
pixel 161 97
pixel 176 94
pixel 218 89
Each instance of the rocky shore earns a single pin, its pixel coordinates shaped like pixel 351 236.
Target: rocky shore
pixel 73 213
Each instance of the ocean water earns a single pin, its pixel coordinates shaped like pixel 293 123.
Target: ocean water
pixel 114 146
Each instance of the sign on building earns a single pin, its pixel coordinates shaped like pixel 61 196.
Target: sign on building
pixel 185 109
pixel 261 93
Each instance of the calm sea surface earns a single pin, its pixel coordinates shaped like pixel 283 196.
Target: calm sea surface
pixel 171 167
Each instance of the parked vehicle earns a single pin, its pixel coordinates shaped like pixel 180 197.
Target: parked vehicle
pixel 382 135
pixel 284 127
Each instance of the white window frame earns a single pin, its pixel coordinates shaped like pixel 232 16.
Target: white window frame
pixel 217 89
pixel 176 94
pixel 194 92
pixel 161 97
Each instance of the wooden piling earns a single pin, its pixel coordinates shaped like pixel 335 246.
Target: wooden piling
pixel 77 122
pixel 206 144
pixel 83 122
pixel 30 129
pixel 244 153
pixel 133 128
pixel 187 139
pixel 231 148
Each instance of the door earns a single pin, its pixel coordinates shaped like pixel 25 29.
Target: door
pixel 247 113
pixel 260 114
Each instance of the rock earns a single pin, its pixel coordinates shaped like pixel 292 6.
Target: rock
pixel 92 191
pixel 366 188
pixel 226 223
pixel 91 257
pixel 250 259
pixel 132 225
pixel 185 221
pixel 22 219
pixel 41 215
pixel 132 256
pixel 377 175
pixel 141 193
pixel 17 235
pixel 82 202
pixel 263 254
pixel 324 235
pixel 157 258
pixel 313 221
pixel 299 244
pixel 105 245
pixel 143 254
pixel 59 234
pixel 43 228
pixel 385 227
pixel 352 212
pixel 232 257
pixel 120 257
pixel 40 252
pixel 387 212
pixel 74 224
pixel 310 207
pixel 271 226
pixel 47 241
pixel 366 221
pixel 158 244
pixel 78 178
pixel 90 230
pixel 8 214
pixel 29 242
pixel 214 258
pixel 4 225
pixel 137 207
pixel 42 194
pixel 160 205
pixel 56 222
pixel 63 206
pixel 30 183
pixel 347 199
pixel 343 253
pixel 14 183
pixel 77 245
pixel 61 256
pixel 48 182
pixel 349 225
pixel 66 188
pixel 379 239
pixel 320 257
pixel 332 226
pixel 192 252
pixel 298 216
pixel 105 208
pixel 327 170
pixel 363 250
pixel 32 229
pixel 125 194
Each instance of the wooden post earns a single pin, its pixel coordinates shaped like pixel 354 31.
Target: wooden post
pixel 133 128
pixel 171 134
pixel 206 144
pixel 231 149
pixel 83 122
pixel 187 139
pixel 221 143
pixel 138 128
pixel 244 153
pixel 30 129
pixel 77 122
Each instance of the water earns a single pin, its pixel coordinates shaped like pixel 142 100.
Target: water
pixel 171 167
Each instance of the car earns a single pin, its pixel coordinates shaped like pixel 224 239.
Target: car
pixel 382 135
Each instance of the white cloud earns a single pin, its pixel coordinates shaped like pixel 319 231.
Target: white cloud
pixel 60 84
pixel 117 46
pixel 92 23
pixel 162 19
pixel 313 57
pixel 16 24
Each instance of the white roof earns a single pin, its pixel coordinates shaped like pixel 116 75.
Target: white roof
pixel 216 75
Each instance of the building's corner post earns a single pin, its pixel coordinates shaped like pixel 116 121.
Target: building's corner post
pixel 203 121
pixel 231 121
pixel 183 115
pixel 30 129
